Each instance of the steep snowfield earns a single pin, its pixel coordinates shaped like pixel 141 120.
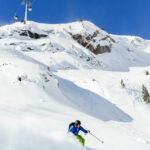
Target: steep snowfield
pixel 48 82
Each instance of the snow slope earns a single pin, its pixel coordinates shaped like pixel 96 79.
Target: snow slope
pixel 48 82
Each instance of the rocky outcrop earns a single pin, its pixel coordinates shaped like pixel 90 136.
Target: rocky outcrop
pixel 31 34
pixel 102 49
pixel 93 42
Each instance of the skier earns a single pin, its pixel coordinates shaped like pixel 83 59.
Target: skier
pixel 75 127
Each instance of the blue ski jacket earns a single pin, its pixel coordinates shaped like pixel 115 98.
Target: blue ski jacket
pixel 75 130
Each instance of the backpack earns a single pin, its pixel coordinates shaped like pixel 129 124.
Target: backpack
pixel 71 124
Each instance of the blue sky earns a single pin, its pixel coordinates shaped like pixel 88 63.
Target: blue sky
pixel 125 17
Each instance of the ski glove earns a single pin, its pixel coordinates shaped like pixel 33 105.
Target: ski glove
pixel 87 131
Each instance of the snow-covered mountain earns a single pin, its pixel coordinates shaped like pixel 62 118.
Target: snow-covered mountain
pixel 51 75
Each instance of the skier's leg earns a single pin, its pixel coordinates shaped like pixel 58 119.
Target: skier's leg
pixel 81 139
pixel 78 137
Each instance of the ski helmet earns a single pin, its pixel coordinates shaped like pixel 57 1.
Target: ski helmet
pixel 78 122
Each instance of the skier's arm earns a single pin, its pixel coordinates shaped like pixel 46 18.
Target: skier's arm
pixel 83 130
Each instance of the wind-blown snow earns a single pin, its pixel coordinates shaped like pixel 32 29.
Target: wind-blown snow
pixel 62 81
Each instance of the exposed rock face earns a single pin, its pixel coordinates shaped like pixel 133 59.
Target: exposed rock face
pixel 102 49
pixel 93 42
pixel 32 35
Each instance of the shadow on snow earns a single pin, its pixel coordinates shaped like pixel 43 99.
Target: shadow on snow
pixel 91 103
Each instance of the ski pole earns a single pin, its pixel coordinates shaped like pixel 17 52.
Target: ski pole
pixel 97 138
